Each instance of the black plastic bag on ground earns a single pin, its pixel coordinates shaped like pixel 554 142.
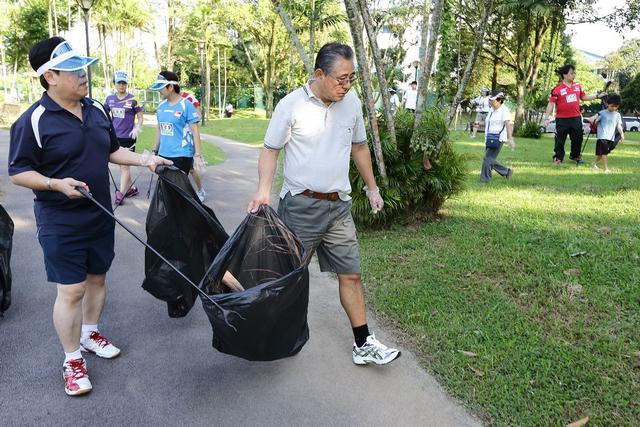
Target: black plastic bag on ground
pixel 184 231
pixel 268 318
pixel 6 242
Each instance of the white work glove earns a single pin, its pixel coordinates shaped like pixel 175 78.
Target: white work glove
pixel 512 144
pixel 375 200
pixel 199 164
pixel 135 132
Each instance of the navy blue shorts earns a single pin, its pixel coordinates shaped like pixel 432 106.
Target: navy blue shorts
pixel 68 258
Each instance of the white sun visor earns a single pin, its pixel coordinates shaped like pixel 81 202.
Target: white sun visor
pixel 64 58
pixel 161 81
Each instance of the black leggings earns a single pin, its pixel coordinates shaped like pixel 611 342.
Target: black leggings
pixel 571 126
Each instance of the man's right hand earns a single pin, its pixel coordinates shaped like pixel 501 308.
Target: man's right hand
pixel 258 199
pixel 546 122
pixel 67 186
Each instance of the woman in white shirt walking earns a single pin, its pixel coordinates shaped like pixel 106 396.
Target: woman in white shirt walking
pixel 498 123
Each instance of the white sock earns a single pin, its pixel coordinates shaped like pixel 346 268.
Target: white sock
pixel 87 329
pixel 73 355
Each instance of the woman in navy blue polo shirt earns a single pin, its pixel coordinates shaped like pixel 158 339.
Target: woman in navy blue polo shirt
pixel 62 142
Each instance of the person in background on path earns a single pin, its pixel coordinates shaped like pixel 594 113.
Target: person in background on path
pixel 320 127
pixel 177 135
pixel 394 101
pixel 127 118
pixel 193 172
pixel 228 110
pixel 498 122
pixel 610 131
pixel 482 109
pixel 411 97
pixel 566 97
pixel 62 143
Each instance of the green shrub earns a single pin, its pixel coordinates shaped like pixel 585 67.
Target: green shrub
pixel 411 191
pixel 529 129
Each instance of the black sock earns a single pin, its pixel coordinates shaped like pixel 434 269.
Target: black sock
pixel 360 333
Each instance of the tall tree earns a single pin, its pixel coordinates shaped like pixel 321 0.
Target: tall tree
pixel 380 68
pixel 286 20
pixel 355 25
pixel 426 62
pixel 473 56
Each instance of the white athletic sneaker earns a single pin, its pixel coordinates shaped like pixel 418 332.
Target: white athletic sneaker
pixel 594 166
pixel 201 193
pixel 608 171
pixel 99 345
pixel 373 351
pixel 76 380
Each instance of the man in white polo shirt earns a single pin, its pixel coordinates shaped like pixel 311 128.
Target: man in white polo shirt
pixel 320 126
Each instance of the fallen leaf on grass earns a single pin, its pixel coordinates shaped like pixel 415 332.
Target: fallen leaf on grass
pixel 573 272
pixel 637 353
pixel 580 253
pixel 469 274
pixel 579 423
pixel 467 353
pixel 440 265
pixel 603 230
pixel 477 371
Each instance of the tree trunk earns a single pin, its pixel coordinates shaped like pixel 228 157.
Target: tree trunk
pixel 206 96
pixel 424 35
pixel 50 17
pixel 286 20
pixel 312 29
pixel 365 83
pixel 219 84
pixel 426 63
pixel 268 80
pixel 521 92
pixel 382 78
pixel 170 35
pixel 102 37
pixel 473 56
pixel 494 74
pixel 224 97
pixel 55 18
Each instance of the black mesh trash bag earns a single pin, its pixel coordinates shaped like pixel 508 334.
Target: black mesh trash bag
pixel 6 242
pixel 269 317
pixel 184 231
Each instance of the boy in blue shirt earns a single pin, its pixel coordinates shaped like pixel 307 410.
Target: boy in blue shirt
pixel 609 133
pixel 177 135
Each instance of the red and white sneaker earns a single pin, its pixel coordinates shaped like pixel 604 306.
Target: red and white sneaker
pixel 99 345
pixel 76 380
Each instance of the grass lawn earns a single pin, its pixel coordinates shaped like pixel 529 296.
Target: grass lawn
pixel 245 126
pixel 211 153
pixel 524 299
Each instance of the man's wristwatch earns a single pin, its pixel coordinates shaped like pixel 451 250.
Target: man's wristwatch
pixel 49 184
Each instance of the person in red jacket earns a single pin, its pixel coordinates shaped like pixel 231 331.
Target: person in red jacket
pixel 566 97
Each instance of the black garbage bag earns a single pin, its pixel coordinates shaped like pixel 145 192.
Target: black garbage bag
pixel 6 242
pixel 187 233
pixel 269 318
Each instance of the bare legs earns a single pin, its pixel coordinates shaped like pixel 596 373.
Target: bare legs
pixel 77 303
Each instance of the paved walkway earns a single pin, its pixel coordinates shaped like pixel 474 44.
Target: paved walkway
pixel 168 373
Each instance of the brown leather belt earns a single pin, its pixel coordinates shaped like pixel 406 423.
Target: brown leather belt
pixel 322 196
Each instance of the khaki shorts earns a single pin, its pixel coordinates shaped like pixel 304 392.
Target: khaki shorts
pixel 324 226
